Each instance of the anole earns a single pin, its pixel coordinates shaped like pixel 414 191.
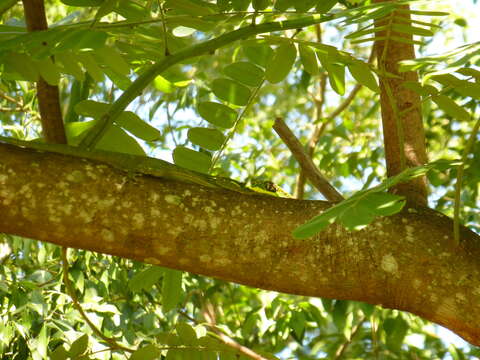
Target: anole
pixel 134 164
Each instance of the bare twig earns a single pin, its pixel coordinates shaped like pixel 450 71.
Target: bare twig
pixel 342 348
pixel 311 171
pixel 209 315
pixel 78 307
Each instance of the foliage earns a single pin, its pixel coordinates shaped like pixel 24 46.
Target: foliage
pixel 212 77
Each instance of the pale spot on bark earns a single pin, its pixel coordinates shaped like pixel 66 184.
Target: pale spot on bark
pixel 138 221
pixel 107 235
pixel 152 260
pixel 205 258
pixel 389 264
pixel 173 199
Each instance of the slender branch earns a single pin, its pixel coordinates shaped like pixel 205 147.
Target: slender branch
pixel 136 88
pixel 342 348
pixel 306 163
pixel 209 315
pixel 78 307
pixel 47 95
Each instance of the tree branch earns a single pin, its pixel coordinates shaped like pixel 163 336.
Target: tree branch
pixel 402 262
pixel 306 163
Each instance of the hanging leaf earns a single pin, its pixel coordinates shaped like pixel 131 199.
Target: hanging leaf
pixel 82 2
pixel 135 125
pixel 281 64
pixel 260 5
pixel 23 65
pixel 217 114
pixel 304 5
pixel 79 346
pixel 259 54
pixel 451 107
pixel 325 5
pixel 113 59
pixel 49 71
pixel 163 84
pixel 240 5
pixel 283 5
pixel 210 139
pixel 105 9
pixel 362 73
pixel 309 59
pixel 191 159
pixel 186 333
pixel 423 90
pixel 145 279
pixel 336 77
pixel 83 39
pixel 91 66
pixel 171 288
pixel 70 64
pixel 196 8
pixel 245 73
pixel 149 352
pixel 231 91
pixel 117 140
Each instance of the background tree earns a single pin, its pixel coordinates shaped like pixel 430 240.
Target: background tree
pixel 206 81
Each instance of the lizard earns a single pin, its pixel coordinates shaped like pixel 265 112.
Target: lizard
pixel 142 165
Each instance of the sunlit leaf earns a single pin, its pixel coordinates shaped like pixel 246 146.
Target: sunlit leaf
pixel 231 91
pixel 210 139
pixel 217 114
pixel 281 63
pixel 191 159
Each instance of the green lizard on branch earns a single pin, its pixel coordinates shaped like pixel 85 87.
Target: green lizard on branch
pixel 142 165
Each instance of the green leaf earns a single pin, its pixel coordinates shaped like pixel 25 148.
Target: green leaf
pixel 210 139
pixel 260 5
pixel 382 203
pixel 23 65
pixel 396 330
pixel 70 64
pixel 240 5
pixel 113 59
pixel 451 107
pixel 83 39
pixel 149 352
pixel 281 64
pixel 282 5
pixel 259 54
pixel 191 159
pixel 183 31
pixel 145 279
pixel 49 71
pixel 117 140
pixel 412 30
pixel 186 333
pixel 339 314
pixel 309 59
pixel 217 114
pixel 59 354
pixel 423 90
pixel 82 2
pixel 297 324
pixel 91 108
pixel 42 342
pixel 91 66
pixel 133 124
pixel 245 73
pixel 105 9
pixel 362 73
pixel 231 91
pixel 171 289
pixel 304 5
pixel 325 5
pixel 163 84
pixel 196 8
pixel 336 77
pixel 79 346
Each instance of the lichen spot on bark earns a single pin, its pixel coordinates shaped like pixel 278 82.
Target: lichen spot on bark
pixel 173 199
pixel 138 220
pixel 76 176
pixel 389 264
pixel 107 235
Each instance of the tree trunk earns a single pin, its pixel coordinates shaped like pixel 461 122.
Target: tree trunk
pixel 400 262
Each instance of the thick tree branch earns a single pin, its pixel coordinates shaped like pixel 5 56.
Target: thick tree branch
pixel 306 163
pixel 402 262
pixel 404 135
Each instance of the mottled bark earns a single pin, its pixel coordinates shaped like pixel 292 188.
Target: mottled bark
pixel 400 262
pixel 401 132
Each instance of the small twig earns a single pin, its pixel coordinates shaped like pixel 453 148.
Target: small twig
pixel 306 163
pixel 210 318
pixel 76 304
pixel 342 348
pixel 164 27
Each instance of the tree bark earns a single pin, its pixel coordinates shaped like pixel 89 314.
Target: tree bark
pixel 402 133
pixel 402 262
